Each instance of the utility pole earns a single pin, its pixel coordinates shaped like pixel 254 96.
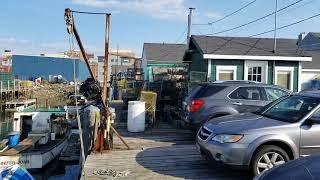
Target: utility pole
pixel 117 60
pixel 275 28
pixel 107 134
pixel 189 22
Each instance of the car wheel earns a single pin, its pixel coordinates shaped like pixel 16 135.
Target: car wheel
pixel 268 157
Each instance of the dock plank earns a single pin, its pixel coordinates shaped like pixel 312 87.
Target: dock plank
pixel 160 153
pixel 170 162
pixel 23 145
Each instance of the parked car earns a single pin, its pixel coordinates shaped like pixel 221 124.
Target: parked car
pixel 286 129
pixel 306 168
pixel 220 98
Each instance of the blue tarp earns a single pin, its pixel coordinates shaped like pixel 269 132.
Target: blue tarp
pixel 16 172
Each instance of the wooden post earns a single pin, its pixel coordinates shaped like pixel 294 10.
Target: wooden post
pixel 36 103
pixel 14 89
pixel 1 90
pixel 106 58
pixel 47 105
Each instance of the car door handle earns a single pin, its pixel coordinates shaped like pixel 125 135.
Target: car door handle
pixel 237 103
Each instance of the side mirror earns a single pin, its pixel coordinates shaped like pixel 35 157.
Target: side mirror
pixel 314 120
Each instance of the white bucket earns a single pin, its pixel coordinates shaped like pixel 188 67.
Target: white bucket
pixel 53 136
pixel 136 116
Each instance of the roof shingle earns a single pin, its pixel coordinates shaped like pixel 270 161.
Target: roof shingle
pixel 164 53
pixel 247 46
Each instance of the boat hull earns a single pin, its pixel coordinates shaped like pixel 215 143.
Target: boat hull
pixel 34 160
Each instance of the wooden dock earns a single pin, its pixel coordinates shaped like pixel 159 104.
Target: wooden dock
pixel 19 105
pixel 13 91
pixel 161 153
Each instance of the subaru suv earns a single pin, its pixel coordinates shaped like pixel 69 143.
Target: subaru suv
pixel 220 98
pixel 285 129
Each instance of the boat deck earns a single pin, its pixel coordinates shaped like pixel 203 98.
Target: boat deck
pixel 28 146
pixel 161 153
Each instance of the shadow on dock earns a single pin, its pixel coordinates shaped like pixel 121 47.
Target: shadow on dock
pixel 184 161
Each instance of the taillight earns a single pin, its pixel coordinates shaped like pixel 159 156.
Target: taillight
pixel 195 105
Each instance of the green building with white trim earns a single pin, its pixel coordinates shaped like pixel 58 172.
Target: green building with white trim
pixel 241 58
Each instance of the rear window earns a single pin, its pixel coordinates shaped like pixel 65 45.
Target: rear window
pixel 203 91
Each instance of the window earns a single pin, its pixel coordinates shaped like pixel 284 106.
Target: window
pixel 203 91
pixel 225 73
pixel 292 108
pixel 125 61
pixel 316 115
pixel 274 93
pixel 255 73
pixel 284 77
pixel 247 93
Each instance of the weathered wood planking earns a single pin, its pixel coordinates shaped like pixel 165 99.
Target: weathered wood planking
pixel 160 153
pixel 3 143
pixel 175 162
pixel 23 145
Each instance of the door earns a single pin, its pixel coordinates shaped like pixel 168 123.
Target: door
pixel 26 126
pixel 310 141
pixel 256 71
pixel 247 99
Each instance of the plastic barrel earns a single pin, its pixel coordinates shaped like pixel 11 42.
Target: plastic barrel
pixel 136 116
pixel 13 139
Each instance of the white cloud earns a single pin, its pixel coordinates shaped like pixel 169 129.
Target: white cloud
pixel 162 9
pixel 30 47
pixel 213 15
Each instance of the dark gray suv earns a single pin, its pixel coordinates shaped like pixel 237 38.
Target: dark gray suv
pixel 220 98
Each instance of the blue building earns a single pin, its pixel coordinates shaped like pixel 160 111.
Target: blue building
pixel 26 67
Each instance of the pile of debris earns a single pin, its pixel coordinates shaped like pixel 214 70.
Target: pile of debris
pixel 53 95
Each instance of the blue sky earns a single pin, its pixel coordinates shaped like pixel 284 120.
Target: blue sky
pixel 37 26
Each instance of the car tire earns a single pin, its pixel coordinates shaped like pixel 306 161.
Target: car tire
pixel 266 157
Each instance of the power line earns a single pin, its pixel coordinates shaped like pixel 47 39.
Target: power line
pixel 281 14
pixel 286 26
pixel 256 20
pixel 233 13
pixel 241 43
pixel 92 13
pixel 282 27
pixel 181 35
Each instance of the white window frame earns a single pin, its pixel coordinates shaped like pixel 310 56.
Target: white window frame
pixel 226 68
pixel 263 64
pixel 290 69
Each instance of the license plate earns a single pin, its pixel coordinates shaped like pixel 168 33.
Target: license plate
pixel 198 148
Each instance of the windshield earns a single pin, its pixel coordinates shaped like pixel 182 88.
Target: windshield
pixel 291 109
